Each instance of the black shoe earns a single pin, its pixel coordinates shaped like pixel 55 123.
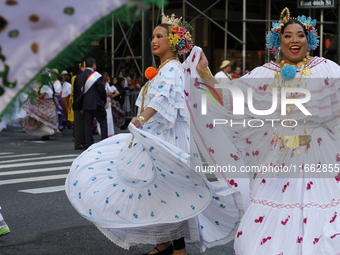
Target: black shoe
pixel 167 251
pixel 81 147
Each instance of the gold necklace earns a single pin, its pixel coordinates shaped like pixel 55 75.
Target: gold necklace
pixel 147 84
pixel 292 141
pixel 302 65
pixel 166 61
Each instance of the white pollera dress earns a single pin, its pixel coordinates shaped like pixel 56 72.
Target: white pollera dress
pixel 292 211
pixel 150 193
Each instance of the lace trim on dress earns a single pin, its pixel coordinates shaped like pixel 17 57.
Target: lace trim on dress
pixel 128 237
pixel 276 205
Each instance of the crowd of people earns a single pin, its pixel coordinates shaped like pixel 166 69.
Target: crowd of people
pixel 49 104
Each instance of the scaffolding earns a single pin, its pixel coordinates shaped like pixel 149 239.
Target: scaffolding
pixel 206 17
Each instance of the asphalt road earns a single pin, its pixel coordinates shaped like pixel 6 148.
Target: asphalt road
pixel 34 204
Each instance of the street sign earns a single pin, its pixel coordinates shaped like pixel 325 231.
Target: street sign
pixel 315 3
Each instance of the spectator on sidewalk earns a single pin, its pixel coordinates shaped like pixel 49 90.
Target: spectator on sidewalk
pixel 117 102
pixel 223 76
pixel 65 95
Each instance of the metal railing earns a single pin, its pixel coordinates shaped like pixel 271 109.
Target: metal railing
pixel 129 106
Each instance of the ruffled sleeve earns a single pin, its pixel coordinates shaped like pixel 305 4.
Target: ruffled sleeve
pixel 47 90
pixel 166 94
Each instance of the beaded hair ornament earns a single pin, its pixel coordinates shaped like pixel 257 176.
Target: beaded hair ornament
pixel 179 36
pixel 273 37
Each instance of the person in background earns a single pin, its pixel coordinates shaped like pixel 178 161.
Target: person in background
pixel 93 88
pixel 139 83
pixel 120 86
pixel 223 76
pixel 237 73
pixel 79 117
pixel 123 75
pixel 111 92
pixel 41 109
pixel 4 229
pixel 65 95
pixel 113 81
pixel 116 100
pixel 57 93
pixel 126 106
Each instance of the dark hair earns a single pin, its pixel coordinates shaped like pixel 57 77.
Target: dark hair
pixel 67 77
pixel 294 21
pixel 166 26
pixel 90 61
pixel 120 80
pixel 123 73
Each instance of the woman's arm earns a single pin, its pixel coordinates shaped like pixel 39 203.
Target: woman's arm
pixel 205 73
pixel 41 95
pixel 114 94
pixel 143 117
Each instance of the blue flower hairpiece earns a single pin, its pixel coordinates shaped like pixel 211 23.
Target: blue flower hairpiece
pixel 47 73
pixel 273 38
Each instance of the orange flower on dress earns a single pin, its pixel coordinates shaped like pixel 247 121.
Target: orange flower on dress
pixel 150 72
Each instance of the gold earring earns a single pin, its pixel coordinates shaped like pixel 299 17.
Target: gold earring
pixel 279 53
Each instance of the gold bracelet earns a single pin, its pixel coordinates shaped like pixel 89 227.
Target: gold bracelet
pixel 205 73
pixel 141 118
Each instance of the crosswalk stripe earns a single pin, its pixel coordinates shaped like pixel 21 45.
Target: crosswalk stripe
pixel 6 153
pixel 30 164
pixel 22 155
pixel 47 157
pixel 44 190
pixel 33 179
pixel 49 162
pixel 50 169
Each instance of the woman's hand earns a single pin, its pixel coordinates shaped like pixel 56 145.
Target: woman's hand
pixel 202 63
pixel 141 119
pixel 137 122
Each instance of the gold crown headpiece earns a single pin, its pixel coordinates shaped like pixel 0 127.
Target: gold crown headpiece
pixel 172 20
pixel 285 16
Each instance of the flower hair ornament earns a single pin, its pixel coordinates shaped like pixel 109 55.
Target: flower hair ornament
pixel 179 36
pixel 46 72
pixel 274 35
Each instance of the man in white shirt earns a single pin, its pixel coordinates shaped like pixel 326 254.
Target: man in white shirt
pixel 56 81
pixel 223 76
pixel 65 95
